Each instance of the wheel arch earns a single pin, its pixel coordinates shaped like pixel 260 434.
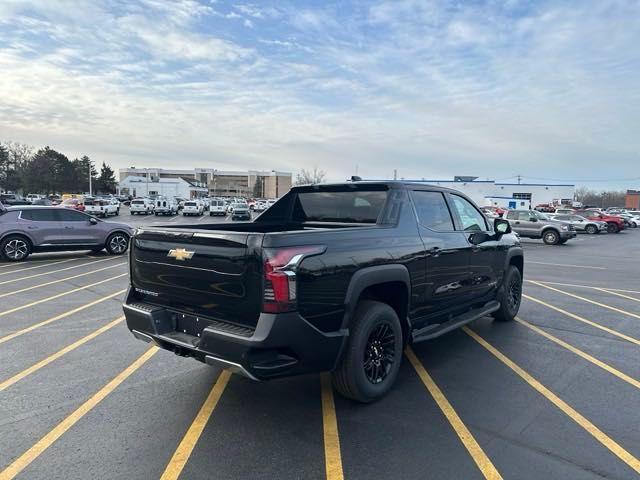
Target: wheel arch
pixel 388 284
pixel 17 232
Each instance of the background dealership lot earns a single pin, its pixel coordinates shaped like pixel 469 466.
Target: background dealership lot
pixel 553 395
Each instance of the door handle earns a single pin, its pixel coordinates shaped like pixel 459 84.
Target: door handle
pixel 517 223
pixel 434 251
pixel 32 227
pixel 68 228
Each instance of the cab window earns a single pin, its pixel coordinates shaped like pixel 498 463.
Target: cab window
pixel 432 210
pixel 45 215
pixel 67 215
pixel 470 216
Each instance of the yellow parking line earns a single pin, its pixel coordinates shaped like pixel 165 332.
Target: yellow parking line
pixel 567 265
pixel 573 414
pixel 50 438
pixel 588 286
pixel 40 266
pixel 55 271
pixel 26 289
pixel 332 456
pixel 580 353
pixel 584 320
pixel 477 454
pixel 28 262
pixel 593 302
pixel 58 295
pixel 605 290
pixel 46 361
pixel 190 439
pixel 58 317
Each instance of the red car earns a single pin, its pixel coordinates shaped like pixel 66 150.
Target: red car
pixel 614 224
pixel 74 203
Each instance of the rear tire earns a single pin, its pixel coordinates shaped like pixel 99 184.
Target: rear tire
pixel 613 228
pixel 15 248
pixel 117 243
pixel 370 364
pixel 510 296
pixel 551 237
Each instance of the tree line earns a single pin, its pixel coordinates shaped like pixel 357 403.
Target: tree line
pixel 602 199
pixel 47 171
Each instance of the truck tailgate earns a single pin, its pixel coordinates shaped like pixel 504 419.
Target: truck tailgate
pixel 212 274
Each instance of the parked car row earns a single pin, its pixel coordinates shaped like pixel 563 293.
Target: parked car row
pixel 562 225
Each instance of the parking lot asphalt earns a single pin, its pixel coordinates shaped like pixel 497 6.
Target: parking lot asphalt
pixel 555 394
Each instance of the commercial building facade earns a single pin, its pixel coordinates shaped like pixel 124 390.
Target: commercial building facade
pixel 490 192
pixel 250 183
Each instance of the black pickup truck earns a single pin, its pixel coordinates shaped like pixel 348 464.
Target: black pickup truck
pixel 331 277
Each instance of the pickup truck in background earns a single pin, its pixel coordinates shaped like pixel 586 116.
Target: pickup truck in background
pixel 330 278
pixel 101 207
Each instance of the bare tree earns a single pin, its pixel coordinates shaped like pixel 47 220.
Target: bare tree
pixel 307 177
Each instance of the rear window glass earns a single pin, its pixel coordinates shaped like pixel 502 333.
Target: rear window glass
pixel 349 207
pixel 137 202
pixel 190 204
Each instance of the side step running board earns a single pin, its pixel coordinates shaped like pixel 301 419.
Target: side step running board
pixel 431 331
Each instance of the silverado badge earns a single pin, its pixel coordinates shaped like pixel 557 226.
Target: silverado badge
pixel 180 254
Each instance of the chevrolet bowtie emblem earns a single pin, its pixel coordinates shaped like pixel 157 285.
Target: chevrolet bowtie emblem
pixel 180 254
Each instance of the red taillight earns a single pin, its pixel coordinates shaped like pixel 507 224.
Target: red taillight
pixel 280 277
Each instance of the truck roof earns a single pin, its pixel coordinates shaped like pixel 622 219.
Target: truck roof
pixel 374 183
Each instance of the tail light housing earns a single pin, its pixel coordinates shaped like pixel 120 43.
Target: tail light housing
pixel 280 292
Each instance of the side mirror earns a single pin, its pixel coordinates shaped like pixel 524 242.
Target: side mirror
pixel 479 237
pixel 501 226
pixel 533 219
pixel 93 221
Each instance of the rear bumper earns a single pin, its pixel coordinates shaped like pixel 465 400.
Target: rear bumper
pixel 281 345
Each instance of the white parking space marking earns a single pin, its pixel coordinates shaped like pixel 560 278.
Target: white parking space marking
pixel 565 265
pixel 40 266
pixel 56 271
pixel 593 287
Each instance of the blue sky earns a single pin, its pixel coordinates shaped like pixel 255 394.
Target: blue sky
pixel 549 90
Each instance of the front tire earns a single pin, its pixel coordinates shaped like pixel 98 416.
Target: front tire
pixel 613 228
pixel 117 243
pixel 370 364
pixel 591 229
pixel 551 237
pixel 15 248
pixel 509 296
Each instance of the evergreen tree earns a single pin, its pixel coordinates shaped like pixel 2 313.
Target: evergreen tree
pixel 106 182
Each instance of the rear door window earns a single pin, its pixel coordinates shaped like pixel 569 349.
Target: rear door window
pixel 432 210
pixel 44 215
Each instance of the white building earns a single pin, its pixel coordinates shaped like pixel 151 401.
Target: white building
pixel 490 192
pixel 166 187
pixel 267 184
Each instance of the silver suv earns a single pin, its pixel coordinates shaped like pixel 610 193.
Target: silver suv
pixel 24 230
pixel 534 224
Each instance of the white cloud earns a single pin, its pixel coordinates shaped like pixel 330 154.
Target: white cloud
pixel 430 88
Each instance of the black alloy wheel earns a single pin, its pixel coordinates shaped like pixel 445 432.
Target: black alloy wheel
pixel 379 353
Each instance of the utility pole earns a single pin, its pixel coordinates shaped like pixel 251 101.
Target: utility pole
pixel 395 173
pixel 90 189
pixel 519 179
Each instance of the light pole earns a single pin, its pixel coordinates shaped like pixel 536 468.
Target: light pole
pixel 90 189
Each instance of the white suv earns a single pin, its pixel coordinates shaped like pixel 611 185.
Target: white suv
pixel 141 206
pixel 193 207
